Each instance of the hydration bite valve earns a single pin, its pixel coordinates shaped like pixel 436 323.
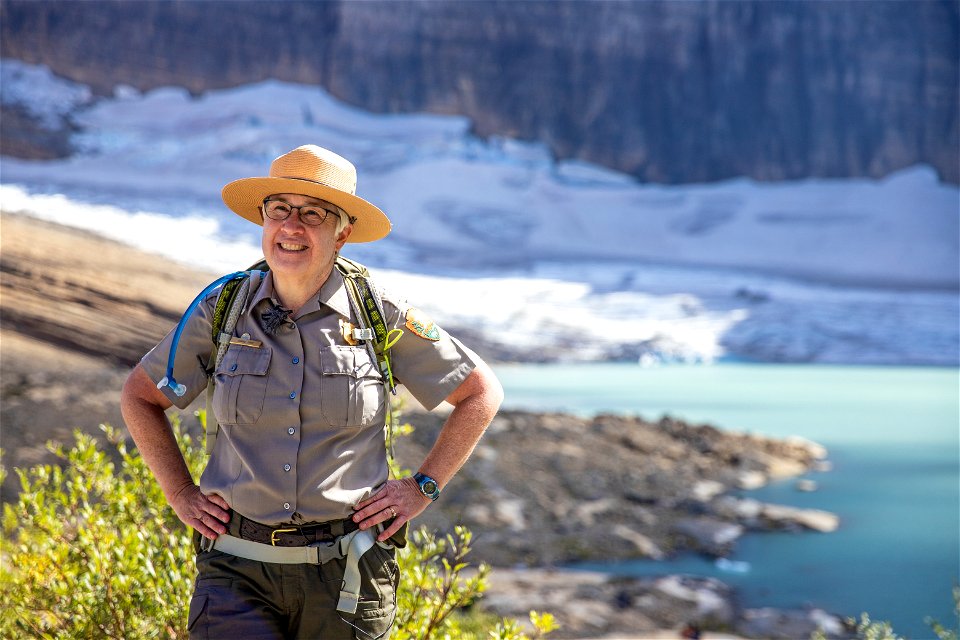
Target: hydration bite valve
pixel 177 388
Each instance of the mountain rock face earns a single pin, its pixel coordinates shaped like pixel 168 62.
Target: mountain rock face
pixel 667 91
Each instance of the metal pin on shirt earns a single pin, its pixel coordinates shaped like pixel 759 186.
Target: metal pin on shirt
pixel 246 342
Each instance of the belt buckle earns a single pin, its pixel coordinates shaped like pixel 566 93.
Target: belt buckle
pixel 273 534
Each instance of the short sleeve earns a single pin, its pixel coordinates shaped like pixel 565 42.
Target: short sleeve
pixel 427 360
pixel 193 352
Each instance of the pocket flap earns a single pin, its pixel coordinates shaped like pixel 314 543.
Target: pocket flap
pixel 348 361
pixel 240 361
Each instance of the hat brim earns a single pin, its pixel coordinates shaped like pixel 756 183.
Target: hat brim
pixel 245 196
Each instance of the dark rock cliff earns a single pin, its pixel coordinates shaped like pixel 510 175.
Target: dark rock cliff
pixel 667 91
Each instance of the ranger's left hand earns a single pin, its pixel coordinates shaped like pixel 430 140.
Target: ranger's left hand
pixel 398 500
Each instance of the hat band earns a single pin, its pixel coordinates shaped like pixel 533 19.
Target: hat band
pixel 322 184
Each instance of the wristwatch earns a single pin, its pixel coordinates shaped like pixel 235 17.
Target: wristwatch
pixel 428 486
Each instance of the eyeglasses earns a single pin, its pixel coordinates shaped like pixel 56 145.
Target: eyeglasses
pixel 311 215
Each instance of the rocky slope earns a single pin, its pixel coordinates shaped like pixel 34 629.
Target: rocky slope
pixel 666 91
pixel 76 311
pixel 79 292
pixel 548 489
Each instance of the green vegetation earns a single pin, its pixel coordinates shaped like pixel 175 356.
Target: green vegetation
pixel 91 550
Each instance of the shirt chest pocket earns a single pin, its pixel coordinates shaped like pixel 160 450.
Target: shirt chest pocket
pixel 351 390
pixel 241 385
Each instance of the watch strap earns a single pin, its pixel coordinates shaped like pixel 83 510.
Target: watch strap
pixel 426 483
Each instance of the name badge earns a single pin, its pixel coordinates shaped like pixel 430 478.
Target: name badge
pixel 244 342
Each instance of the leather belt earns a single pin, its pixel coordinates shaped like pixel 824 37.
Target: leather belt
pixel 290 535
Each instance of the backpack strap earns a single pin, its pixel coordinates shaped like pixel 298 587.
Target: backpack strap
pixel 364 296
pixel 230 303
pixel 368 308
pixel 225 304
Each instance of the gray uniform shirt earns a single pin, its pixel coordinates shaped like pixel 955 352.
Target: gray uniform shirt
pixel 302 416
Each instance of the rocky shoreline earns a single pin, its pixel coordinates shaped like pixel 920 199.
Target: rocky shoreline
pixel 544 491
pixel 549 489
pixel 541 491
pixel 598 605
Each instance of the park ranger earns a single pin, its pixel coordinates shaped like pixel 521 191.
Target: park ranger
pixel 296 514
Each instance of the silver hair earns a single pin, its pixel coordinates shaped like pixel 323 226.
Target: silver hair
pixel 342 219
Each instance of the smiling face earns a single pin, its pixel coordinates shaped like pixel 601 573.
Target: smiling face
pixel 300 252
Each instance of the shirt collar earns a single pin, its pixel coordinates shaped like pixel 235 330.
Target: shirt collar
pixel 333 293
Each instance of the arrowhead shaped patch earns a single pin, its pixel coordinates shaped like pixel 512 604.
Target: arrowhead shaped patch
pixel 422 325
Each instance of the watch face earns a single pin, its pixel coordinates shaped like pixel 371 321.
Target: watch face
pixel 429 486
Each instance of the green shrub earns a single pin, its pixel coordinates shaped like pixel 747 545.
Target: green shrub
pixel 91 550
pixel 434 591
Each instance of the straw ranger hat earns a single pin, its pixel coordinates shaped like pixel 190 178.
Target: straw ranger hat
pixel 310 171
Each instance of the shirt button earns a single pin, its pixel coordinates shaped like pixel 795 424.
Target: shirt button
pixel 296 361
pixel 291 431
pixel 286 505
pixel 293 394
pixel 233 367
pixel 286 467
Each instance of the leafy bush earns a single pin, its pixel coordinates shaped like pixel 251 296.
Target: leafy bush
pixel 93 551
pixel 434 590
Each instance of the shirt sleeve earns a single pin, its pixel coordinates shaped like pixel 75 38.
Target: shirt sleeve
pixel 427 360
pixel 193 353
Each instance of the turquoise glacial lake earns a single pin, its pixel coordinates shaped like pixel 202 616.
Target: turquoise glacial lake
pixel 893 434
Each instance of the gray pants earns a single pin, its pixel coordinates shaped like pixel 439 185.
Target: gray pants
pixel 240 599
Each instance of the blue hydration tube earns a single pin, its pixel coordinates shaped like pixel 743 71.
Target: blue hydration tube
pixel 168 380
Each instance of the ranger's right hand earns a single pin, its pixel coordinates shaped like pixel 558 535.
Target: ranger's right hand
pixel 207 514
